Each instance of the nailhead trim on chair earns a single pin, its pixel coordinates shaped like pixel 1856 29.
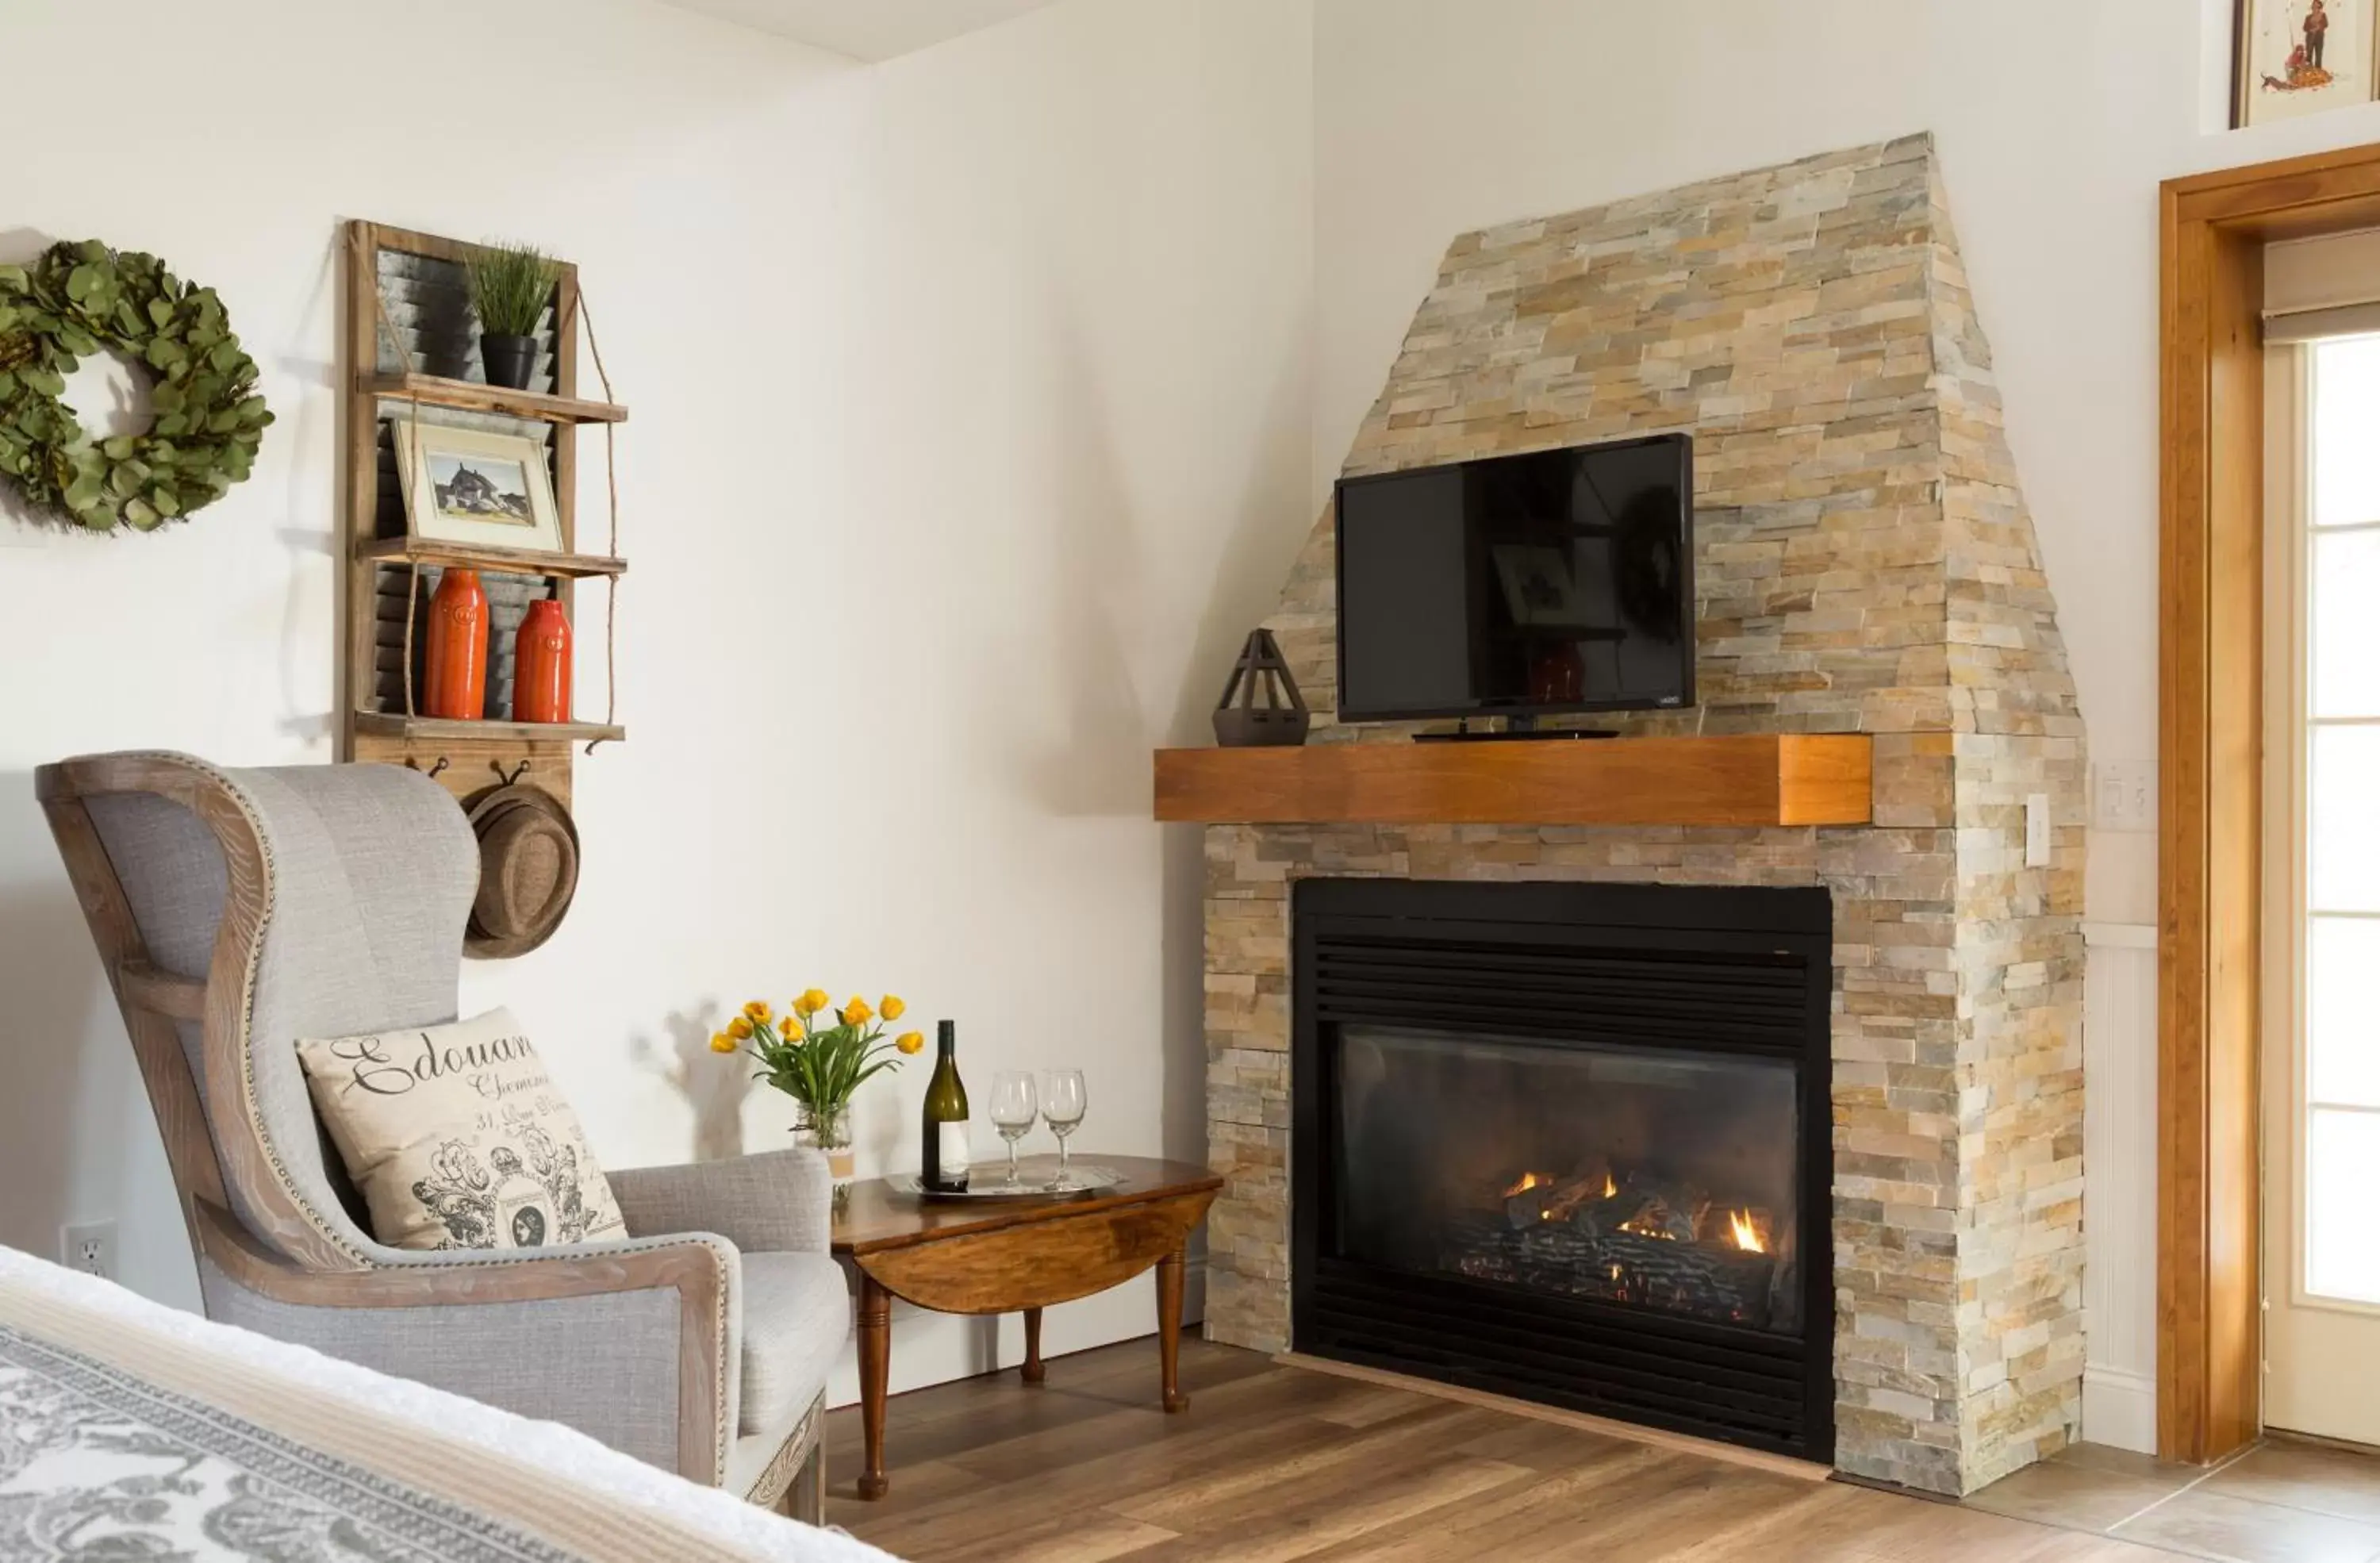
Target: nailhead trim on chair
pixel 248 1094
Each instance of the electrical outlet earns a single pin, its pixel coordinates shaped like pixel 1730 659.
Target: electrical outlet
pixel 2123 795
pixel 90 1248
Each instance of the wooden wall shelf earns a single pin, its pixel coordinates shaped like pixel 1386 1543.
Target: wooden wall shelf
pixel 408 309
pixel 451 730
pixel 1744 780
pixel 473 556
pixel 469 396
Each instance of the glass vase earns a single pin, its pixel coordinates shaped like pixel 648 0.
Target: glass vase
pixel 828 1131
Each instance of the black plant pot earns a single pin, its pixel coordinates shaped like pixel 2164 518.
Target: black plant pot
pixel 509 360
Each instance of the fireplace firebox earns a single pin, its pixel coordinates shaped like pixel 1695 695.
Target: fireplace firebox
pixel 1571 1143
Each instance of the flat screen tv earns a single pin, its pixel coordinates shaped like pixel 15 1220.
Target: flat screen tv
pixel 1523 586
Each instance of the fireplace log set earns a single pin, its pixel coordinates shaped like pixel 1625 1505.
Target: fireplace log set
pixel 1635 1238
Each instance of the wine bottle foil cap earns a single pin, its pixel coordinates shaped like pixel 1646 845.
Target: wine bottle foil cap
pixel 946 1031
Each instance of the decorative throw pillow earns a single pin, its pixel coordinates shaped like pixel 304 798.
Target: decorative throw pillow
pixel 458 1138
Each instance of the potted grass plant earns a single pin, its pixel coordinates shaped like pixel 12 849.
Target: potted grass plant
pixel 511 286
pixel 822 1065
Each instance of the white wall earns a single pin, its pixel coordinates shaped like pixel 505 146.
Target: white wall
pixel 969 399
pixel 1083 432
pixel 2055 120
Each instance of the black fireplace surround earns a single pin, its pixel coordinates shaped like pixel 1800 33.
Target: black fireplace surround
pixel 1571 1143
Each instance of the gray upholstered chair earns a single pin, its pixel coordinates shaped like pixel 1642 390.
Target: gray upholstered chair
pixel 238 911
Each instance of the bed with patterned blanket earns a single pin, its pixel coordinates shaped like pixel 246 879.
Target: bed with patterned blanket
pixel 131 1431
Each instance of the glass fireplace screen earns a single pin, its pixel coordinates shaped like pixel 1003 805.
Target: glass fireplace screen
pixel 1648 1178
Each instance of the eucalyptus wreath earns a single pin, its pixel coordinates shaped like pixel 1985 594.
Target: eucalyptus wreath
pixel 78 300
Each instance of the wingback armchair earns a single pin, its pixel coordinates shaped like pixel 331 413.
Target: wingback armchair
pixel 238 911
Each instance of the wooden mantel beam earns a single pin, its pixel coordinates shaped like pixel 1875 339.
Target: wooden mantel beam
pixel 1751 779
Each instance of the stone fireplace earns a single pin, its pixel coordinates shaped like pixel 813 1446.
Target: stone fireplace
pixel 1864 563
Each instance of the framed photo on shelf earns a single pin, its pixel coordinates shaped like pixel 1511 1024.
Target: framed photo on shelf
pixel 464 486
pixel 2294 58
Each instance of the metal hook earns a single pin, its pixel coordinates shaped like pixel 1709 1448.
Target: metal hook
pixel 517 772
pixel 432 772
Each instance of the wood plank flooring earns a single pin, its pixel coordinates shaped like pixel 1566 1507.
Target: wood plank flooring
pixel 1273 1463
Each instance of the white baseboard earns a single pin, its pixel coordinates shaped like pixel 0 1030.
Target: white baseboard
pixel 2120 936
pixel 2120 1409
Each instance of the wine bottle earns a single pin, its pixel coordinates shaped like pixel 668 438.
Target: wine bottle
pixel 946 1118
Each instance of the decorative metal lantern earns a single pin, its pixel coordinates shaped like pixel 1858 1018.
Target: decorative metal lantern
pixel 1261 707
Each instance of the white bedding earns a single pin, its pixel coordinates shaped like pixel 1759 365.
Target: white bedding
pixel 157 1412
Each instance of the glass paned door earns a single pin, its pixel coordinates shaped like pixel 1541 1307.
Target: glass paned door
pixel 2322 971
pixel 2339 1096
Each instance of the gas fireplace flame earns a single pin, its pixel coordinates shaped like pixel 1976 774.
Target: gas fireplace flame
pixel 1556 1197
pixel 1646 1234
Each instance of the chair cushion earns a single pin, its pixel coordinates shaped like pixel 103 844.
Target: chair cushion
pixel 458 1138
pixel 797 1317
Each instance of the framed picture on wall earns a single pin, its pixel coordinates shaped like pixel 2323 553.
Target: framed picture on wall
pixel 2297 57
pixel 464 486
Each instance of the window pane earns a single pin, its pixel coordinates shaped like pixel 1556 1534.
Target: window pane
pixel 2343 1011
pixel 2343 823
pixel 2346 407
pixel 2342 1172
pixel 2345 639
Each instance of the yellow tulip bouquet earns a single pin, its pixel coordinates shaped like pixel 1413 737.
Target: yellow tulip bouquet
pixel 820 1065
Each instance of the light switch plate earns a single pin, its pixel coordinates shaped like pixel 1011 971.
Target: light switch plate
pixel 2036 831
pixel 2123 795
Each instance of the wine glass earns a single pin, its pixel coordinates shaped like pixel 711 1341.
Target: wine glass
pixel 1062 1103
pixel 1012 1111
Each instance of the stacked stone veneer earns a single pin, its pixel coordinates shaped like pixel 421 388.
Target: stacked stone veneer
pixel 1864 562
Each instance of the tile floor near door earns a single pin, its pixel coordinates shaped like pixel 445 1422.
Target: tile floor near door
pixel 1273 1463
pixel 2285 1501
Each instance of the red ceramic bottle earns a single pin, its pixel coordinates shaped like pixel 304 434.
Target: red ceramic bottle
pixel 454 663
pixel 541 664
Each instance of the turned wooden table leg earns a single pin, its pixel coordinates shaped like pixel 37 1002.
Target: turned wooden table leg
pixel 1032 1372
pixel 875 1366
pixel 1169 1328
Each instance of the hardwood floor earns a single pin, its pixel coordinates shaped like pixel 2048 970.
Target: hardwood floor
pixel 1273 1463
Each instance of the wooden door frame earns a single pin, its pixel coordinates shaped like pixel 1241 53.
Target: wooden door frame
pixel 2214 228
